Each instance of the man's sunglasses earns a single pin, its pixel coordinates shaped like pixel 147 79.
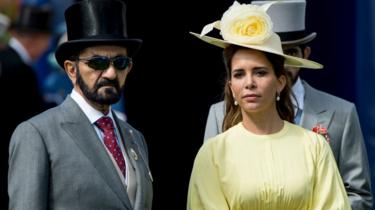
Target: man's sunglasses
pixel 102 62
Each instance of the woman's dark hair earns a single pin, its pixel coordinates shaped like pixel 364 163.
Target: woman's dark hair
pixel 233 113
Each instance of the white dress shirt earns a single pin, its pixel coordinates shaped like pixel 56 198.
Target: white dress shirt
pixel 298 102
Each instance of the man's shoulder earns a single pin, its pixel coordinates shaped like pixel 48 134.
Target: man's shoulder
pixel 46 121
pixel 46 117
pixel 6 51
pixel 218 105
pixel 325 98
pixel 9 55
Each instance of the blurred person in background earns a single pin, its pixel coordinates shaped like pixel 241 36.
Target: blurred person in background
pixel 4 24
pixel 21 99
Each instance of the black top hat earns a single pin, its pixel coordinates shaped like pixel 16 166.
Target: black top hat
pixel 95 22
pixel 33 19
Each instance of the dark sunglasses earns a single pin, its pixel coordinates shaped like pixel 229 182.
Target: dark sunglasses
pixel 102 62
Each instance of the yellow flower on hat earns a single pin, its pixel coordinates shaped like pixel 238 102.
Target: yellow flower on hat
pixel 246 24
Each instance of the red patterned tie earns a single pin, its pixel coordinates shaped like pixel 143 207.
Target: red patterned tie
pixel 106 125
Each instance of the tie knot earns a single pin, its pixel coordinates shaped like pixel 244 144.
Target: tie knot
pixel 105 123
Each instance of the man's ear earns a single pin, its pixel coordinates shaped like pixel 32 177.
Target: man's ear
pixel 130 66
pixel 70 69
pixel 306 52
pixel 281 83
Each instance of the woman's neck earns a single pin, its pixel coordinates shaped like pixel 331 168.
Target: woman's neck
pixel 262 123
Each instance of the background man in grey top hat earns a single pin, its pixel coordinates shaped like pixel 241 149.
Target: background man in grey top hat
pixel 80 155
pixel 334 117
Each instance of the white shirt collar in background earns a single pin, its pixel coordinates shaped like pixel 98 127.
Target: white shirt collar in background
pixel 299 92
pixel 18 47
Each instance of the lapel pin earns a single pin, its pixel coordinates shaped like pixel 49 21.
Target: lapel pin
pixel 133 154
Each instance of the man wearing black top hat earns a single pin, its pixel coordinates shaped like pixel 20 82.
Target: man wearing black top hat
pixel 333 117
pixel 80 155
pixel 21 99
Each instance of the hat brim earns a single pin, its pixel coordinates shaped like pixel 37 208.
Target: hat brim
pixel 301 41
pixel 29 29
pixel 289 60
pixel 67 49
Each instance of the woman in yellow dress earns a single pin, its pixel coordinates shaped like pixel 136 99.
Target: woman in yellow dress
pixel 262 160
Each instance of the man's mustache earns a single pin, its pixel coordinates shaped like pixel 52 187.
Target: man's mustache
pixel 107 82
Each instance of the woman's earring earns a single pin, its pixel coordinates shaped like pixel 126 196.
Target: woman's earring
pixel 234 99
pixel 277 96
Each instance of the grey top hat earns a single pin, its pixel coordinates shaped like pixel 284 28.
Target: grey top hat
pixel 95 22
pixel 288 17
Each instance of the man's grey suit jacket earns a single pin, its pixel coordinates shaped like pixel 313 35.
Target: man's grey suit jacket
pixel 341 120
pixel 57 162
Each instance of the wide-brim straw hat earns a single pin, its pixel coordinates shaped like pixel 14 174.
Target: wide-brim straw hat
pixel 250 26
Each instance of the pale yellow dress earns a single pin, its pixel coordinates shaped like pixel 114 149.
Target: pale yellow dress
pixel 293 169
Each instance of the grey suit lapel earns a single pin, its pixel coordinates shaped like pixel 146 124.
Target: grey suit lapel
pixel 314 111
pixel 137 161
pixel 84 135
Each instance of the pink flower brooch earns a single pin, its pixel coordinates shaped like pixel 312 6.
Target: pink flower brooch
pixel 321 130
